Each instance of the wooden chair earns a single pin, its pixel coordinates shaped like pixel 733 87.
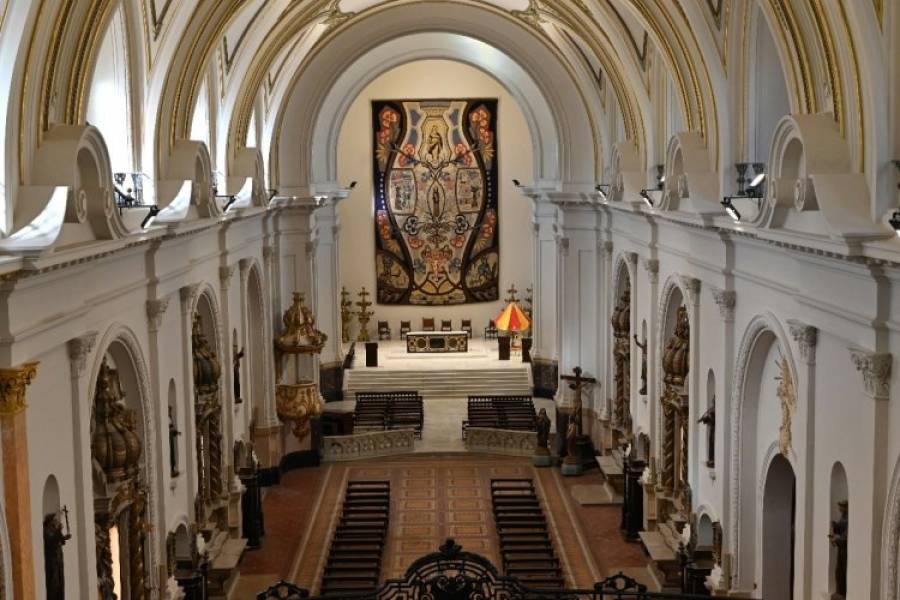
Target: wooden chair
pixel 384 330
pixel 490 332
pixel 446 325
pixel 467 327
pixel 405 328
pixel 427 324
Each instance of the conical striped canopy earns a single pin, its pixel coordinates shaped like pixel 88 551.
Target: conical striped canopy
pixel 512 319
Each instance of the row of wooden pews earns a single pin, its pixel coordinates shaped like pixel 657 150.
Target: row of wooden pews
pixel 525 545
pixel 354 560
pixel 501 412
pixel 378 411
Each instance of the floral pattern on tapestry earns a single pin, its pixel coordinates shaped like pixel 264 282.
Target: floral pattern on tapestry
pixel 436 218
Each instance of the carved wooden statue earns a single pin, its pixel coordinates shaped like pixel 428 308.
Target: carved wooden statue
pixel 838 537
pixel 54 564
pixel 572 442
pixel 643 347
pixel 709 419
pixel 236 357
pixel 543 432
pixel 173 444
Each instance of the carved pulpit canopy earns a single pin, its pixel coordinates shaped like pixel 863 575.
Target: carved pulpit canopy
pixel 115 445
pixel 300 335
pixel 621 316
pixel 207 369
pixel 675 357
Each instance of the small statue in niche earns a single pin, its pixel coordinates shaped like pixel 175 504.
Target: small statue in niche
pixel 709 419
pixel 543 433
pixel 237 355
pixel 173 444
pixel 838 538
pixel 643 347
pixel 54 563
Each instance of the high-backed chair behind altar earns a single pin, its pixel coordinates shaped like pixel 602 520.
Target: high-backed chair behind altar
pixel 446 325
pixel 384 330
pixel 467 326
pixel 490 332
pixel 427 324
pixel 405 328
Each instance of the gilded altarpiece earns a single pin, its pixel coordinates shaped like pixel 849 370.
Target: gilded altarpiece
pixel 436 201
pixel 621 326
pixel 675 409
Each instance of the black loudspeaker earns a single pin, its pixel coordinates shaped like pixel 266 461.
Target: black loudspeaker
pixel 371 354
pixel 526 350
pixel 504 346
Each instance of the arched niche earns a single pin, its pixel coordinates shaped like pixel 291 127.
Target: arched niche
pixel 778 520
pixel 175 427
pixel 839 504
pixel 759 419
pixel 257 406
pixel 620 320
pixel 890 553
pixel 709 419
pixel 305 133
pixel 125 542
pixel 54 531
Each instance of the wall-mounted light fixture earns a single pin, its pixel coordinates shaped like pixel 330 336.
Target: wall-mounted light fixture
pixel 516 183
pixel 895 221
pixel 352 185
pixel 897 164
pixel 645 195
pixel 154 210
pixel 603 190
pixel 660 176
pixel 730 208
pixel 750 180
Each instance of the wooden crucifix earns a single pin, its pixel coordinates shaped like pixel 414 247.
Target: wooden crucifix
pixel 577 385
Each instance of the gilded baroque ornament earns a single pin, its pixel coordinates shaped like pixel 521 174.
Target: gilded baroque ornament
pixel 300 335
pixel 298 403
pixel 12 387
pixel 787 395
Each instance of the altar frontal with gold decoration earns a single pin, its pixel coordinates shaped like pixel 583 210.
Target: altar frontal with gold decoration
pixel 436 201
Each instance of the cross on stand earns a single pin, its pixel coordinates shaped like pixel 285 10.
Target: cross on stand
pixel 578 446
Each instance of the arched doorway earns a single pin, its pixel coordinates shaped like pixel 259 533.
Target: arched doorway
pixel 779 512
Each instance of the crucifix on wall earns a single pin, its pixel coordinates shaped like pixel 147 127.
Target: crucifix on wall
pixel 577 386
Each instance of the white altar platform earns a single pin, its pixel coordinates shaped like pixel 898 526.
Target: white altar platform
pixel 482 354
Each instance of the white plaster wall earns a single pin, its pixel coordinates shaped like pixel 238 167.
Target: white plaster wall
pixel 433 79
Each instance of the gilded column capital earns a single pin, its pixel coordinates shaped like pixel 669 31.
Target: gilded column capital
pixel 155 311
pixel 806 337
pixel 79 349
pixel 876 371
pixel 12 387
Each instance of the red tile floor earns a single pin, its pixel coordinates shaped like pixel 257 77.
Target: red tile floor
pixel 433 497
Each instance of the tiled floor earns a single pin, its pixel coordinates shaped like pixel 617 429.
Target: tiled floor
pixel 434 496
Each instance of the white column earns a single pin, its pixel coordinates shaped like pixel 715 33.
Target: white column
pixel 326 302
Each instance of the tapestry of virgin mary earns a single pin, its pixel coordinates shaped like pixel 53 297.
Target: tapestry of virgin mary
pixel 436 218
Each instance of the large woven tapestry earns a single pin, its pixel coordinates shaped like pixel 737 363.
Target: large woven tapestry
pixel 436 218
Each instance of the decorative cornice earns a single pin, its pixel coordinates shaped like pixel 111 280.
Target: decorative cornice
pixel 725 300
pixel 806 337
pixel 691 288
pixel 12 387
pixel 651 265
pixel 79 349
pixel 876 371
pixel 155 311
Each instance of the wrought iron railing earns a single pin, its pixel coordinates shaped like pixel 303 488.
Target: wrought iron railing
pixel 453 574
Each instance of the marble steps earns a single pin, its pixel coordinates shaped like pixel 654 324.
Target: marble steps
pixel 442 384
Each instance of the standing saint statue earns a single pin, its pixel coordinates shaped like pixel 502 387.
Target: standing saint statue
pixel 54 564
pixel 643 347
pixel 173 444
pixel 838 538
pixel 237 355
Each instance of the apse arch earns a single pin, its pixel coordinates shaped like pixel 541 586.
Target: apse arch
pixel 551 100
